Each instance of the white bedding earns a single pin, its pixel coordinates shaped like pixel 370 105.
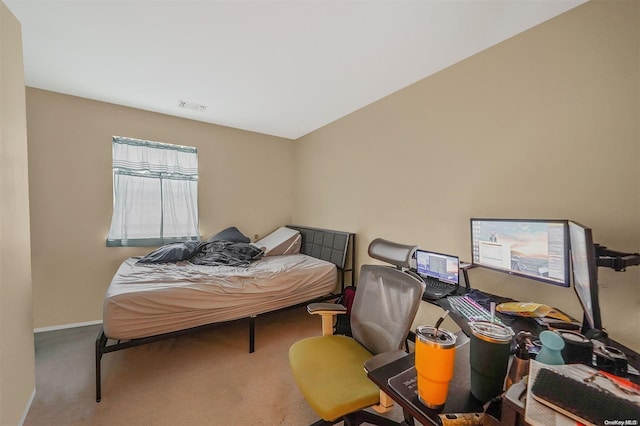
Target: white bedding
pixel 148 299
pixel 281 241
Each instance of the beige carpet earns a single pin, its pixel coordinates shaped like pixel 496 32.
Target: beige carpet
pixel 206 378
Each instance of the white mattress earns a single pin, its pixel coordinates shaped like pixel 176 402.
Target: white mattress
pixel 148 299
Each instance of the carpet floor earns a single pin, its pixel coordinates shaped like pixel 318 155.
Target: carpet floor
pixel 204 378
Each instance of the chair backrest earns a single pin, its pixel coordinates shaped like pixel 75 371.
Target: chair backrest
pixel 397 254
pixel 384 308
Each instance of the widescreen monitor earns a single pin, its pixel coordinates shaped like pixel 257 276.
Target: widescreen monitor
pixel 531 248
pixel 585 274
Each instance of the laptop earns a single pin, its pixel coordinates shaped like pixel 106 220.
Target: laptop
pixel 439 271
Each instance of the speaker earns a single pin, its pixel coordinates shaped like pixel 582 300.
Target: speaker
pixel 577 348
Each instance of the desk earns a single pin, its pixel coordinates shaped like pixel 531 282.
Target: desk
pixel 459 399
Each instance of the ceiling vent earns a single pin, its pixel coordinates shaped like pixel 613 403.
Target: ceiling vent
pixel 192 105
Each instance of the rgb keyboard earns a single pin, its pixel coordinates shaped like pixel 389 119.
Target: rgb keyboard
pixel 470 309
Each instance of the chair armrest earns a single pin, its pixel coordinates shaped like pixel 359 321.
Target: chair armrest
pixel 327 311
pixel 326 308
pixel 386 403
pixel 384 358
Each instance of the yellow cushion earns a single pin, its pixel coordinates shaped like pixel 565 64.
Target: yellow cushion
pixel 329 370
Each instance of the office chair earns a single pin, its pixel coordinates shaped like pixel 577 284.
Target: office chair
pixel 330 369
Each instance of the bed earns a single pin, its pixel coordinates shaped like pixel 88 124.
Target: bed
pixel 146 302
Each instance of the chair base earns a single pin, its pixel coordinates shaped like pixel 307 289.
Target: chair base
pixel 357 418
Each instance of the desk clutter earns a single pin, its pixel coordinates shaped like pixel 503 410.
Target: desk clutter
pixel 580 393
pixel 563 376
pixel 532 310
pixel 584 374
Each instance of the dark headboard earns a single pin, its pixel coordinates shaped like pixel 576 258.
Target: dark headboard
pixel 332 246
pixel 326 244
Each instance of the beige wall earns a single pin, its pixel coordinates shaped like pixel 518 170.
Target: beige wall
pixel 246 180
pixel 543 125
pixel 17 368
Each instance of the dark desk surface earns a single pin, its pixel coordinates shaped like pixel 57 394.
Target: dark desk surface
pixel 523 324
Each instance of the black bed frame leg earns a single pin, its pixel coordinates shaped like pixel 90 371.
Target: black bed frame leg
pixel 252 334
pixel 101 341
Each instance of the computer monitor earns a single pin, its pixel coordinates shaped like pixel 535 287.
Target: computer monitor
pixel 531 248
pixel 585 275
pixel 442 267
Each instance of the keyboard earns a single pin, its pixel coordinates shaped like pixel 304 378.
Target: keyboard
pixel 580 401
pixel 470 309
pixel 435 289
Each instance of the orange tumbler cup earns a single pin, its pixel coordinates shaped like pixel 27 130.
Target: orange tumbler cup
pixel 434 357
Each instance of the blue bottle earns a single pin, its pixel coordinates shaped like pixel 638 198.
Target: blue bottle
pixel 551 351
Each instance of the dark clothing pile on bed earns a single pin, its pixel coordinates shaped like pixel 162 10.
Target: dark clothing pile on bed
pixel 216 253
pixel 227 247
pixel 210 253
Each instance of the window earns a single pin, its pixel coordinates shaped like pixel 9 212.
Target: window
pixel 155 193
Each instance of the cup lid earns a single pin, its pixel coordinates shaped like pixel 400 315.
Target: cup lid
pixel 491 331
pixel 431 335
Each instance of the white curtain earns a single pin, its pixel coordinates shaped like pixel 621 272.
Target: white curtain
pixel 155 193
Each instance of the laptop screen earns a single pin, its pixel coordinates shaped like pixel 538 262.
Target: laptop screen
pixel 440 266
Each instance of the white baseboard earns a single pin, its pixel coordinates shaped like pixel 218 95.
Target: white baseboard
pixel 64 326
pixel 27 408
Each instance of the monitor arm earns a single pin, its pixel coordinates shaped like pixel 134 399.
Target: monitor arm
pixel 615 259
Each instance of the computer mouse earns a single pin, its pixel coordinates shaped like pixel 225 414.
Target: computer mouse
pixel 479 296
pixel 431 296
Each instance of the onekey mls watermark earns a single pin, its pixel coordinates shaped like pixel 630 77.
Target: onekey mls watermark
pixel 627 422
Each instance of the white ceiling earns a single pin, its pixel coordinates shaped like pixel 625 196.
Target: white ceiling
pixel 282 68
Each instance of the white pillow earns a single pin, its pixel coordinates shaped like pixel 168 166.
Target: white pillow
pixel 281 241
